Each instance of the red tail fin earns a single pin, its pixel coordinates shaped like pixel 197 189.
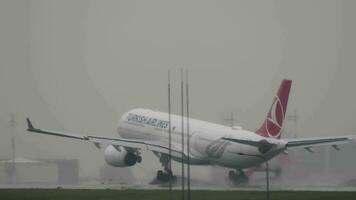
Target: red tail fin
pixel 272 126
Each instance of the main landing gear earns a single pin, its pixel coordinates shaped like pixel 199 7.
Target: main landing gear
pixel 237 177
pixel 165 175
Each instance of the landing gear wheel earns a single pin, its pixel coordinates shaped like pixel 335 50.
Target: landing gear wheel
pixel 237 178
pixel 163 177
pixel 232 175
pixel 278 172
pixel 160 175
pixel 139 159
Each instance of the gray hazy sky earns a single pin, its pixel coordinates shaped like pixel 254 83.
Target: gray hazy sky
pixel 78 65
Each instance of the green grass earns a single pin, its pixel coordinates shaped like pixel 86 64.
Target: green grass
pixel 76 194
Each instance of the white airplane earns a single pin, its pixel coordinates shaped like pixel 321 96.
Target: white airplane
pixel 210 144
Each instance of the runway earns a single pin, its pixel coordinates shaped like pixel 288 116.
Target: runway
pixel 87 194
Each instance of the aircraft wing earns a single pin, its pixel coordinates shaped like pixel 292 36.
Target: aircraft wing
pixel 155 146
pixel 312 142
pixel 264 145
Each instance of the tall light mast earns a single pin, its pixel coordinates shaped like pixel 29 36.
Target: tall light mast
pixel 13 124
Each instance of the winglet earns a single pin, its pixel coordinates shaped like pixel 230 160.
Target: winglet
pixel 29 124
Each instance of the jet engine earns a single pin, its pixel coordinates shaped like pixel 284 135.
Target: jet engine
pixel 119 157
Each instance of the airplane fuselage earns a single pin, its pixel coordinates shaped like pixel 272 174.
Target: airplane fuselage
pixel 206 143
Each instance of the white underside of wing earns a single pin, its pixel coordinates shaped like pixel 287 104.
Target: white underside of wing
pixel 156 146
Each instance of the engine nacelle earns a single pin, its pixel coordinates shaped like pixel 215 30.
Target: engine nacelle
pixel 119 157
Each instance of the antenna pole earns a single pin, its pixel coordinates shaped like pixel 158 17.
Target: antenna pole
pixel 231 120
pixel 294 117
pixel 13 123
pixel 188 135
pixel 170 136
pixel 182 129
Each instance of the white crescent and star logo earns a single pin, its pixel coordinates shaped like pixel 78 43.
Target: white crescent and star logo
pixel 275 119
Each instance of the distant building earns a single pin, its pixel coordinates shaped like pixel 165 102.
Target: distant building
pixel 39 172
pixel 67 170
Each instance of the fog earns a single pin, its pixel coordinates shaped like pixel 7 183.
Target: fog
pixel 77 66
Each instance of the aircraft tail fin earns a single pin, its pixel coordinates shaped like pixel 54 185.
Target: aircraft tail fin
pixel 272 126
